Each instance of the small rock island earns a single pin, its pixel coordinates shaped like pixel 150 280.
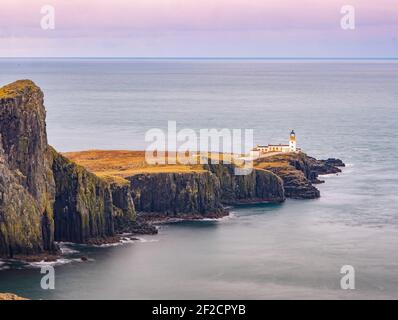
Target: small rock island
pixel 93 196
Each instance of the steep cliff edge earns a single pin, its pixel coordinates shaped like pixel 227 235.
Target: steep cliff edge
pixel 26 211
pixel 203 194
pixel 20 216
pixel 83 203
pixel 194 194
pixel 45 197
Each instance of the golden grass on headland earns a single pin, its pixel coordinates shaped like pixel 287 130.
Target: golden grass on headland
pixel 115 165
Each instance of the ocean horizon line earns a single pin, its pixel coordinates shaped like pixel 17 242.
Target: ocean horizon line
pixel 208 58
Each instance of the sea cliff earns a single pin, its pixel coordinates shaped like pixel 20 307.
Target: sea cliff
pixel 92 196
pixel 202 194
pixel 256 187
pixel 44 197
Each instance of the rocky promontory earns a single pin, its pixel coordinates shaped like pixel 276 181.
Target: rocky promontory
pixel 162 192
pixel 205 191
pixel 92 196
pixel 299 172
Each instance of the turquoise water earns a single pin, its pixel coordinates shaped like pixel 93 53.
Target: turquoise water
pixel 344 109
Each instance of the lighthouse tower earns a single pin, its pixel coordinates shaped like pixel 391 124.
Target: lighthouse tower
pixel 292 142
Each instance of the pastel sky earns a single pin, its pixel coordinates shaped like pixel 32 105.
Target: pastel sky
pixel 198 28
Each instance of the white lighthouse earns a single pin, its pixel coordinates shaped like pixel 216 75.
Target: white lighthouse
pixel 277 148
pixel 292 142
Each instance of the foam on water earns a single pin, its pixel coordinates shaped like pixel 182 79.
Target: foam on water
pixel 66 249
pixel 57 262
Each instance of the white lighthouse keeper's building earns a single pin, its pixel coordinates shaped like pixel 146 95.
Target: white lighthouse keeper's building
pixel 291 147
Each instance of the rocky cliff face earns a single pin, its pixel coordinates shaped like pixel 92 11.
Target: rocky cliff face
pixel 24 141
pixel 203 194
pixel 83 206
pixel 43 196
pixel 193 194
pixel 258 186
pixel 20 216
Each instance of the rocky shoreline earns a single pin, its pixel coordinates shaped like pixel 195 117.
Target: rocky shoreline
pixel 46 197
pixel 300 172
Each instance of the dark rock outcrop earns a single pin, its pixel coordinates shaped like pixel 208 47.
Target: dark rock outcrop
pixel 299 172
pixel 322 167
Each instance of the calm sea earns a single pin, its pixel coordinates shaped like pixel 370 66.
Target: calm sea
pixel 344 109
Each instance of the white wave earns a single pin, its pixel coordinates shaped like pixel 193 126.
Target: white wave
pixel 80 260
pixel 65 249
pixel 123 240
pixel 231 215
pixel 3 265
pixel 126 240
pixel 147 240
pixel 106 245
pixel 330 175
pixel 43 263
pixel 58 262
